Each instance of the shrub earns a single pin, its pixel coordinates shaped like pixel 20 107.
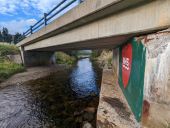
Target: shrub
pixel 63 58
pixel 8 49
pixel 7 67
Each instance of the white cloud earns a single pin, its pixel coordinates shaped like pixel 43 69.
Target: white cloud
pixel 17 25
pixel 30 8
pixel 12 6
pixel 44 5
pixel 31 22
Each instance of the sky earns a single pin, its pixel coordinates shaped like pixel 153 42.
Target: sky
pixel 18 15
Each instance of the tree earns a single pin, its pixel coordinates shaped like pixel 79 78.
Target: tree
pixel 16 37
pixel 4 34
pixel 9 38
pixel 1 38
pixel 6 37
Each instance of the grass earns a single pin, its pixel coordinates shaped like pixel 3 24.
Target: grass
pixel 63 58
pixel 8 50
pixel 7 67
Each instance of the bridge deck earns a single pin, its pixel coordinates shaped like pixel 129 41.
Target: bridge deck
pixel 95 20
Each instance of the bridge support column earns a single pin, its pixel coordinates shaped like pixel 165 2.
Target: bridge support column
pixel 37 58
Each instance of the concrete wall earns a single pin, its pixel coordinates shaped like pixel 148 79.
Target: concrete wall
pixel 37 58
pixel 15 58
pixel 113 110
pixel 115 62
pixel 156 107
pixel 156 80
pixel 157 70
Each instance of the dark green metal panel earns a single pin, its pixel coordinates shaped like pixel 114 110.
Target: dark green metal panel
pixel 133 91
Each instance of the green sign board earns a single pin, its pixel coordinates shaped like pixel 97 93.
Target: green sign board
pixel 131 74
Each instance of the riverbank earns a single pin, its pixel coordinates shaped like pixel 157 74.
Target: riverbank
pixel 103 58
pixel 31 74
pixel 63 58
pixel 8 66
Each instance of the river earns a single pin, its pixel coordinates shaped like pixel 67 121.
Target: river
pixel 65 99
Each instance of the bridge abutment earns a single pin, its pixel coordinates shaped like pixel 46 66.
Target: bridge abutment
pixel 37 58
pixel 141 68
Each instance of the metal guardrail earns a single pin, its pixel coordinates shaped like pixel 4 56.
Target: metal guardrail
pixel 60 7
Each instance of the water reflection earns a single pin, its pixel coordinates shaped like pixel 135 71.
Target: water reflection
pixel 83 79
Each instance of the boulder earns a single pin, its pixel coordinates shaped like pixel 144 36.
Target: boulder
pixel 87 125
pixel 88 116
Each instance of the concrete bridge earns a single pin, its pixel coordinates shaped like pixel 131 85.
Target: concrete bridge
pixel 96 24
pixel 137 31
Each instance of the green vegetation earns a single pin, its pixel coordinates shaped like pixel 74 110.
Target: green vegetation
pixel 110 61
pixel 7 67
pixel 83 54
pixel 104 57
pixel 95 54
pixel 8 50
pixel 63 58
pixel 5 36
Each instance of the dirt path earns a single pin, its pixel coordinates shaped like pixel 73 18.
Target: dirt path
pixel 31 74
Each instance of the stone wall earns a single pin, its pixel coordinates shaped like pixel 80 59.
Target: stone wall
pixel 15 58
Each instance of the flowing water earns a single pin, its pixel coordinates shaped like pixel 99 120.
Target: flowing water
pixel 56 101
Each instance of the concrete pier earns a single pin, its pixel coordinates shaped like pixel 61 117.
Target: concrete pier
pixel 37 58
pixel 141 71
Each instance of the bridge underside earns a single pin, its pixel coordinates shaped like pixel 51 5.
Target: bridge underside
pixel 110 42
pixel 45 56
pixel 96 29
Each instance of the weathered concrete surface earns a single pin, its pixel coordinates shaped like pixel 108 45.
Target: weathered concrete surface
pixel 139 19
pixel 37 58
pixel 157 80
pixel 156 85
pixel 15 58
pixel 113 109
